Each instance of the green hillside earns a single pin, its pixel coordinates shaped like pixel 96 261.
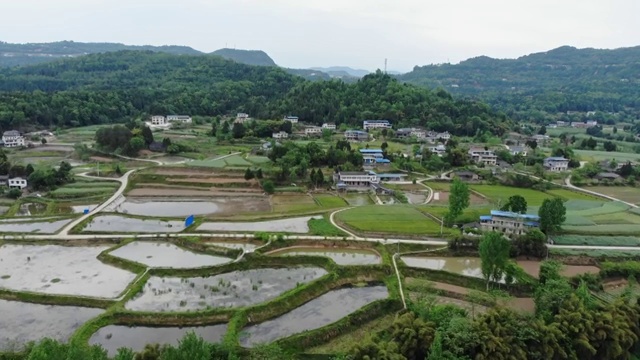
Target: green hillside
pixel 249 57
pixel 537 85
pixel 116 87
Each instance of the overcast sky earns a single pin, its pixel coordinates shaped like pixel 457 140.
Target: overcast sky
pixel 356 33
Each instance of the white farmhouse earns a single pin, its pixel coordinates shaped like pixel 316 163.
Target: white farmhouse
pixel 158 120
pixel 17 183
pixel 179 118
pixel 12 138
pixel 280 135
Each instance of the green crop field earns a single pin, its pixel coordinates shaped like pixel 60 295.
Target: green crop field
pixel 501 194
pixel 236 160
pixel 208 163
pixel 608 229
pixel 624 193
pixel 572 195
pixel 329 201
pixel 439 186
pixel 390 219
pixel 597 240
pixel 71 192
pixel 293 203
pixel 596 253
pixel 92 184
pixel 258 159
pixel 589 155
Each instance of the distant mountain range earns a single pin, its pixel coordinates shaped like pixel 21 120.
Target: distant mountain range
pixel 249 57
pixel 342 71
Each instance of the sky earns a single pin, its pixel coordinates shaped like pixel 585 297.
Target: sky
pixel 355 33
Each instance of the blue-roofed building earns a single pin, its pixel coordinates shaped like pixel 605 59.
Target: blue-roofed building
pixel 371 151
pixel 376 124
pixel 509 223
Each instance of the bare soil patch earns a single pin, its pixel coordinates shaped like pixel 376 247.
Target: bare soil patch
pixel 614 284
pixel 521 304
pixel 573 270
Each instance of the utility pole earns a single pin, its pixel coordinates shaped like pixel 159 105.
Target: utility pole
pixel 385 65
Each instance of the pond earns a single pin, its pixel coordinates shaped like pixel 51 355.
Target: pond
pixel 416 197
pixel 340 256
pixel 42 227
pixel 25 322
pixel 233 245
pixel 121 224
pixel 315 314
pixel 161 208
pixel 291 225
pixel 166 255
pixel 358 199
pixel 114 337
pixel 54 269
pixel 234 289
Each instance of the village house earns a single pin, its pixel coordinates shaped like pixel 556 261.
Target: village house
pixel 411 132
pixel 376 124
pixel 158 120
pixel 438 149
pixel 241 118
pixel 465 175
pixel 373 157
pixel 509 223
pixel 17 183
pixel 185 119
pixel 540 139
pixel 280 135
pixel 313 130
pixel 12 138
pixel 556 164
pixel 518 150
pixel 329 126
pixel 609 176
pixel 356 135
pixel 360 181
pixel 482 156
pixel 291 119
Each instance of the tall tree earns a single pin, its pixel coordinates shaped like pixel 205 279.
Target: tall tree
pixel 458 200
pixel 516 204
pixel 552 215
pixel 494 256
pixel 248 174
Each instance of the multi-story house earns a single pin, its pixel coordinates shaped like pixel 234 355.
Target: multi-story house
pixel 241 118
pixel 556 164
pixel 158 120
pixel 376 124
pixel 482 156
pixel 12 138
pixel 356 135
pixel 509 223
pixel 17 183
pixel 178 118
pixel 280 135
pixel 329 126
pixel 291 119
pixel 313 130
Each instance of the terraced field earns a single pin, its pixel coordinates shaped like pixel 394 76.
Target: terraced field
pixel 391 219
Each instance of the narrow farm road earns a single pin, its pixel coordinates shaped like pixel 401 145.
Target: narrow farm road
pixel 333 222
pixel 124 181
pixel 568 184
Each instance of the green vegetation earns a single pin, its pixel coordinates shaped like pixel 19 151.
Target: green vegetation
pixel 494 256
pixel 596 253
pixel 501 194
pixel 329 201
pixel 596 240
pixel 391 219
pixel 552 215
pixel 249 57
pixel 458 201
pixel 323 227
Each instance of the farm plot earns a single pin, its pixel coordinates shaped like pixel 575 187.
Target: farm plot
pixel 236 161
pixel 624 193
pixel 596 240
pixel 500 194
pixel 292 203
pixel 329 201
pixel 392 219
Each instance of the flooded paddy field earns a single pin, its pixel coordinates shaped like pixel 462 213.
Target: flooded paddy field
pixel 41 227
pixel 416 197
pixel 358 199
pixel 468 266
pixel 25 322
pixel 298 225
pixel 317 313
pixel 340 256
pixel 54 269
pixel 115 224
pixel 114 337
pixel 234 289
pixel 150 207
pixel 30 209
pixel 166 255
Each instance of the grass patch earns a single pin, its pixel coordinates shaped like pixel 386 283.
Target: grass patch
pixel 344 343
pixel 323 227
pixel 213 163
pixel 390 219
pixel 608 229
pixel 236 160
pixel 606 155
pixel 439 186
pixel 70 192
pixel 626 193
pixel 258 159
pixel 329 201
pixel 596 253
pixel 293 203
pixel 500 194
pixel 572 195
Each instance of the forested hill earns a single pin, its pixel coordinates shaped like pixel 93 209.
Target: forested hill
pixel 249 57
pixel 557 81
pixel 116 87
pixel 38 53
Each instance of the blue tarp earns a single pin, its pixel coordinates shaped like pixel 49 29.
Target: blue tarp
pixel 189 221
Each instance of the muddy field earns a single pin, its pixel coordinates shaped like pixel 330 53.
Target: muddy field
pixel 214 180
pixel 444 198
pixel 166 255
pixel 340 257
pixel 34 227
pixel 121 224
pixel 168 206
pixel 291 225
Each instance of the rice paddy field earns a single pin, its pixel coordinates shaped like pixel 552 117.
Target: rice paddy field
pixel 625 193
pixel 231 162
pixel 596 240
pixel 391 219
pixel 601 218
pixel 299 202
pixel 500 194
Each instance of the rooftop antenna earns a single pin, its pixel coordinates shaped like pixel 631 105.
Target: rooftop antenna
pixel 385 65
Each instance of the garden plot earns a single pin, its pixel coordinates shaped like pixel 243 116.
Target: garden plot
pixel 315 314
pixel 290 225
pixel 341 257
pixel 166 255
pixel 230 290
pixel 54 269
pixel 51 227
pixel 122 224
pixel 114 337
pixel 24 322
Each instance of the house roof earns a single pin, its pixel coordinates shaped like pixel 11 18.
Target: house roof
pixel 376 121
pixel 485 217
pixel 359 132
pixel 370 151
pixel 556 158
pixel 390 176
pixel 465 173
pixel 11 133
pixel 355 173
pixel 510 214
